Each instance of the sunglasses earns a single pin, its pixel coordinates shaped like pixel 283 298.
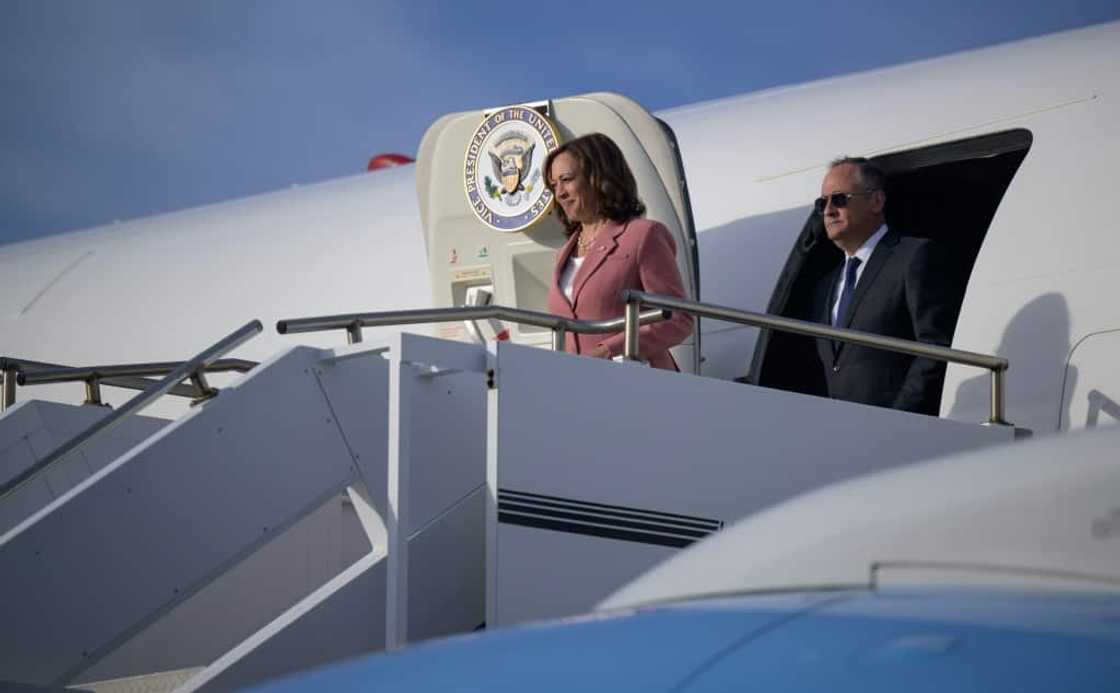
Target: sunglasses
pixel 838 200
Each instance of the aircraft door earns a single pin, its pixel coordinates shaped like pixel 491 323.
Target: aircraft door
pixel 487 213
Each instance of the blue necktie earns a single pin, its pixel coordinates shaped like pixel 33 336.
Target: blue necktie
pixel 848 290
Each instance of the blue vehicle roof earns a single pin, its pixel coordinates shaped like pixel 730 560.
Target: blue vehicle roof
pixel 853 640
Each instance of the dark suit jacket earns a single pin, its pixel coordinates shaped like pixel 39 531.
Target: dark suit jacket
pixel 907 290
pixel 639 254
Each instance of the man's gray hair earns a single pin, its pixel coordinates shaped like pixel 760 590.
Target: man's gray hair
pixel 870 175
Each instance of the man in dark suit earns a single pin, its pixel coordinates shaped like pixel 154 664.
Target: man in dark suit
pixel 888 284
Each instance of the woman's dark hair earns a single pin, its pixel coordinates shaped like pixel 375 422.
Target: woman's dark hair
pixel 601 161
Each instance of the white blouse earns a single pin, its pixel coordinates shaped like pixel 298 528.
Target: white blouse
pixel 568 276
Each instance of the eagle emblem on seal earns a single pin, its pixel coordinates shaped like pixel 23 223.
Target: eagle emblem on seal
pixel 512 157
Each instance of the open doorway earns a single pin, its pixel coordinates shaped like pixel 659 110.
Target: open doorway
pixel 947 192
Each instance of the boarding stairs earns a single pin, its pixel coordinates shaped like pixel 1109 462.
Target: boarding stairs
pixel 339 501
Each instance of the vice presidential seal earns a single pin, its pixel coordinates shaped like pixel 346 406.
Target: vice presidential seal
pixel 504 168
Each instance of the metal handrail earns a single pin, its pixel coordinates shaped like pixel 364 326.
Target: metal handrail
pixel 62 374
pixel 190 369
pixel 12 367
pixel 995 364
pixel 94 375
pixel 560 326
pixel 28 372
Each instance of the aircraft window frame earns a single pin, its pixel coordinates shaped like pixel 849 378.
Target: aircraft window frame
pixel 978 147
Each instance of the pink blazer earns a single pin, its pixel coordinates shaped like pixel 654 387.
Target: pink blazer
pixel 639 254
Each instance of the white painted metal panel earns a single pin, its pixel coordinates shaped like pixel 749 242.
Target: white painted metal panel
pixel 32 430
pixel 14 427
pixel 342 619
pixel 547 581
pixel 355 381
pixel 447 572
pixel 652 444
pixel 237 603
pixel 448 447
pixel 437 464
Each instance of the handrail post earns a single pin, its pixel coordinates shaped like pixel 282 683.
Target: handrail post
pixel 559 337
pixel 202 388
pixel 996 417
pixel 93 392
pixel 354 333
pixel 630 348
pixel 9 397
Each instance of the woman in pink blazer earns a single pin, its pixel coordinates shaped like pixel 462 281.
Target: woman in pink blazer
pixel 609 248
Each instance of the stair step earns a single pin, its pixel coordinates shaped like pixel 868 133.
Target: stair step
pixel 159 682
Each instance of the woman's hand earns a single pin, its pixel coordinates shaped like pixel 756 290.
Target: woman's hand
pixel 600 352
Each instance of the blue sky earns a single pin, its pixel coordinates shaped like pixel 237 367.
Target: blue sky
pixel 118 109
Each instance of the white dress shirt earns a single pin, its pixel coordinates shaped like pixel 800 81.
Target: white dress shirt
pixel 864 254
